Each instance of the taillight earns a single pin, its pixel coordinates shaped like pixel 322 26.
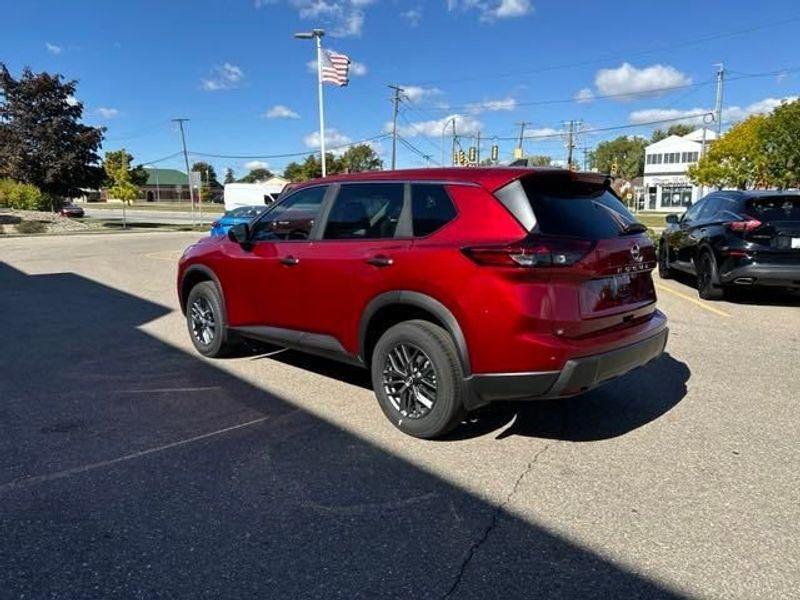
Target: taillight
pixel 531 252
pixel 748 225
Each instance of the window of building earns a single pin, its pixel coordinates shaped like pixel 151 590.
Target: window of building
pixel 365 211
pixel 431 208
pixel 291 219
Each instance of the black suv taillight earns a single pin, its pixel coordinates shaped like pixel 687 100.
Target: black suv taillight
pixel 534 251
pixel 744 226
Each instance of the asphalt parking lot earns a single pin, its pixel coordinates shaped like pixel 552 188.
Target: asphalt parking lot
pixel 130 466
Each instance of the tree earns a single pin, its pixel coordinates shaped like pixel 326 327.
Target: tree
pixel 627 153
pixel 738 159
pixel 781 141
pixel 311 168
pixel 118 170
pixel 42 139
pixel 680 129
pixel 360 158
pixel 208 178
pixel 540 160
pixel 229 178
pixel 139 175
pixel 256 175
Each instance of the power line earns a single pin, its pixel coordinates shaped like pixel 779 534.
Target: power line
pixel 165 158
pixel 289 154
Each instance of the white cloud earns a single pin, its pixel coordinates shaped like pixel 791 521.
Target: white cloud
pixel 628 81
pixel 543 132
pixel 502 104
pixel 413 16
pixel 491 10
pixel 52 48
pixel 72 101
pixel 106 112
pixel 465 125
pixel 415 93
pixel 341 18
pixel 584 96
pixel 279 111
pixel 256 164
pixel 223 77
pixel 332 139
pixel 690 115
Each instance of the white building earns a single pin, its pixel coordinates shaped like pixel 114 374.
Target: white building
pixel 666 186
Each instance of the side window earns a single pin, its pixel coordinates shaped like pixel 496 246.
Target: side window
pixel 365 211
pixel 694 212
pixel 431 208
pixel 710 208
pixel 291 219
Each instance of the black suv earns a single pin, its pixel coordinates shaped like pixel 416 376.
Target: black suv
pixel 735 238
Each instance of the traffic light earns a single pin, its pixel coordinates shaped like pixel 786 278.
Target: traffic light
pixel 473 154
pixel 462 158
pixel 495 152
pixel 455 157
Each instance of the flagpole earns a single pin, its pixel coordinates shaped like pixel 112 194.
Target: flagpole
pixel 318 33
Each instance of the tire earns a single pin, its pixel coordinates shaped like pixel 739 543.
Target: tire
pixel 707 288
pixel 205 320
pixel 664 271
pixel 423 353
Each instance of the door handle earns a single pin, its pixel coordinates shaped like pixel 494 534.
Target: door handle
pixel 380 261
pixel 290 261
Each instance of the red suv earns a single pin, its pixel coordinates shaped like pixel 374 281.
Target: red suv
pixel 454 287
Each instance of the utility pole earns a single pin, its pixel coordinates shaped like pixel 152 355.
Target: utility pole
pixel 186 160
pixel 522 125
pixel 570 142
pixel 585 158
pixel 396 102
pixel 454 141
pixel 718 104
pixel 478 150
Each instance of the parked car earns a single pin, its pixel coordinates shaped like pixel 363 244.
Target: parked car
pixel 735 238
pixel 71 210
pixel 243 214
pixel 454 287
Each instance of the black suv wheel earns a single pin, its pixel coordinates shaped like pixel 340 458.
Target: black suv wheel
pixel 417 377
pixel 206 322
pixel 664 270
pixel 706 268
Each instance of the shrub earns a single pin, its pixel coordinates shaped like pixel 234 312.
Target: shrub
pixel 31 227
pixel 22 196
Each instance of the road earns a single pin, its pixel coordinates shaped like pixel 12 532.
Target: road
pixel 132 467
pixel 167 217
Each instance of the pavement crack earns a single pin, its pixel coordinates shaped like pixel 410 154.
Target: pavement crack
pixel 475 546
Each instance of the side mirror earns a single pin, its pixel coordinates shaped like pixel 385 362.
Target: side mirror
pixel 672 219
pixel 240 233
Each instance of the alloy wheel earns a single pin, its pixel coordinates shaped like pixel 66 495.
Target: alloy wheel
pixel 204 325
pixel 409 379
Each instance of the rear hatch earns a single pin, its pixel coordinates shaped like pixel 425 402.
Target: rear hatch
pixel 598 258
pixel 772 225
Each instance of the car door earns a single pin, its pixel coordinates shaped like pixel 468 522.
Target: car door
pixel 362 252
pixel 683 239
pixel 278 239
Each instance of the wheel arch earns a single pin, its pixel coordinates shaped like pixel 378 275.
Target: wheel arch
pixel 197 274
pixel 390 308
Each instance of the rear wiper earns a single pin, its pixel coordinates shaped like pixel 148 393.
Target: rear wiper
pixel 634 227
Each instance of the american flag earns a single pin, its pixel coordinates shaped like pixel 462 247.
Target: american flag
pixel 334 68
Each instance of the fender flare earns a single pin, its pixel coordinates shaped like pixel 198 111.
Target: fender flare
pixel 208 272
pixel 419 300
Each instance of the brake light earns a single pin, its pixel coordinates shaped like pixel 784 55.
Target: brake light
pixel 748 225
pixel 532 252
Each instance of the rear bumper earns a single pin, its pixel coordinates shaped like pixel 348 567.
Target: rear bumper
pixel 578 375
pixel 763 274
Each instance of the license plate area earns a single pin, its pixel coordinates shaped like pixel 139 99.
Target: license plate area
pixel 615 293
pixel 795 243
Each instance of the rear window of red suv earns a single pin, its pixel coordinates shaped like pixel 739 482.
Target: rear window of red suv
pixel 560 205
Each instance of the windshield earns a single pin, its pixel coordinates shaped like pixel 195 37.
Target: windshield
pixel 245 212
pixel 778 208
pixel 560 205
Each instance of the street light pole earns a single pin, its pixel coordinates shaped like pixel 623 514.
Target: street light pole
pixel 317 34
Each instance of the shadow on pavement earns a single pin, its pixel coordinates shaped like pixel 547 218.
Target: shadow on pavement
pixel 764 296
pixel 289 507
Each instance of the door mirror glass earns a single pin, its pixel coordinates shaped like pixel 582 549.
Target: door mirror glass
pixel 240 233
pixel 672 219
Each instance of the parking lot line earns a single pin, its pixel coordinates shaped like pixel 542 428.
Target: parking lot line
pixel 694 301
pixel 24 482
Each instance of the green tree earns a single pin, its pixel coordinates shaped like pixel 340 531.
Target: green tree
pixel 360 158
pixel 229 177
pixel 118 170
pixel 680 129
pixel 627 153
pixel 42 139
pixel 738 159
pixel 208 179
pixel 256 175
pixel 311 167
pixel 540 160
pixel 781 141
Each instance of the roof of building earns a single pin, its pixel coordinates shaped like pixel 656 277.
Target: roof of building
pixel 489 177
pixel 166 177
pixel 695 138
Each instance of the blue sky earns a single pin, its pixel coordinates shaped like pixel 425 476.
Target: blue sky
pixel 234 69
